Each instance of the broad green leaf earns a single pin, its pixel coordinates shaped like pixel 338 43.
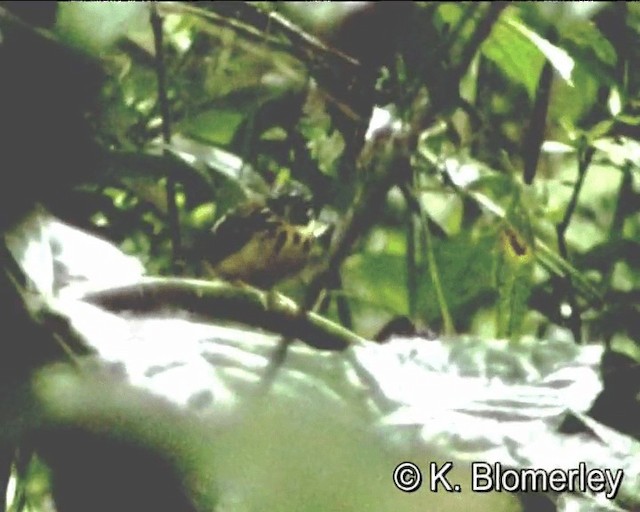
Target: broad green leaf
pixel 377 282
pixel 496 186
pixel 520 52
pixel 214 126
pixel 556 147
pixel 379 279
pixel 204 215
pixel 559 58
pixel 514 52
pixel 463 264
pixel 600 129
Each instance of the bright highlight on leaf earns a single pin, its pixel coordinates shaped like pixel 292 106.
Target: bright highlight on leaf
pixel 559 58
pixel 615 102
pixel 396 160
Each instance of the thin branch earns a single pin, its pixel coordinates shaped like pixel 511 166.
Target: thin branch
pixel 172 207
pixel 252 22
pixel 276 361
pixel 389 164
pixel 243 29
pixel 427 242
pixel 342 77
pixel 413 275
pixel 342 305
pixel 584 161
pixel 575 322
pixel 357 222
pixel 280 354
pixel 303 43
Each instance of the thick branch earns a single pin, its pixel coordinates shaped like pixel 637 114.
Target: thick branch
pixel 221 301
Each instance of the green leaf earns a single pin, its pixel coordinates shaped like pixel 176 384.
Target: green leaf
pixel 514 270
pixel 214 126
pixel 559 58
pixel 629 119
pixel 448 14
pixel 585 36
pixel 591 51
pixel 600 129
pixel 325 143
pixel 513 51
pixel 462 263
pixel 568 106
pixel 520 53
pixel 378 278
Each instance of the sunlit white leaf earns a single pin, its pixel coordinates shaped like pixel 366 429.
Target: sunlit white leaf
pixel 615 102
pixel 557 147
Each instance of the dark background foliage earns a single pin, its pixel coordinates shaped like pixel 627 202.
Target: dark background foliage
pixel 495 192
pixel 489 98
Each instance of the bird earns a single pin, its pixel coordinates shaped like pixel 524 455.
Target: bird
pixel 261 243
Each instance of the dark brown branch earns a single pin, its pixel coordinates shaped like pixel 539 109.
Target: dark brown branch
pixel 253 23
pixel 389 164
pixel 342 77
pixel 303 43
pixel 172 207
pixel 358 221
pixel 534 136
pixel 216 300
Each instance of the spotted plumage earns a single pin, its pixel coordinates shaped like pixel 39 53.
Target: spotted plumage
pixel 255 245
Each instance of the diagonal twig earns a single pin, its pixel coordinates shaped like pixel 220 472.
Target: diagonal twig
pixel 584 160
